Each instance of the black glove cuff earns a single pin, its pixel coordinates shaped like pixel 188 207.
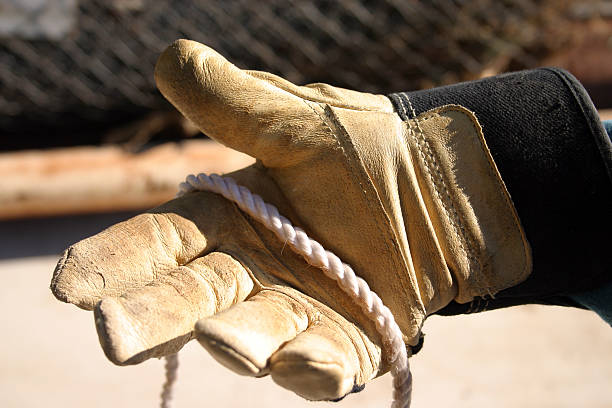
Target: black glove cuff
pixel 556 160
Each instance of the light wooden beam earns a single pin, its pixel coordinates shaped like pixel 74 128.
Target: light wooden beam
pixel 99 179
pixel 79 180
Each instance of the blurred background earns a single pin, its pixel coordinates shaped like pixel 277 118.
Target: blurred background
pixel 86 140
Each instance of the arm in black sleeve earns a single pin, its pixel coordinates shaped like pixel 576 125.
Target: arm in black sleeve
pixel 556 160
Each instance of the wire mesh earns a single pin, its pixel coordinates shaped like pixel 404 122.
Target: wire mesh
pixel 98 71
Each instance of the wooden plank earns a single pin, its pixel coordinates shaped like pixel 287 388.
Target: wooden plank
pixel 98 179
pixel 80 180
pixel 605 114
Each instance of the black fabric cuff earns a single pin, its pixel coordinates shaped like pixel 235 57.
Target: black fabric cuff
pixel 556 160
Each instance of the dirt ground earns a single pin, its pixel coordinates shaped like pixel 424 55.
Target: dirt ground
pixel 523 357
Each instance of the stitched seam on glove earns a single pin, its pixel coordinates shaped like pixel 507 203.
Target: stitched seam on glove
pixel 475 256
pixel 502 192
pixel 432 169
pixel 358 169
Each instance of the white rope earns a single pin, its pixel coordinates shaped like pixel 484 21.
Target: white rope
pixel 328 262
pixel 171 372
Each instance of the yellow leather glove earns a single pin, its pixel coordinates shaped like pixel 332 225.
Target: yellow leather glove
pixel 416 207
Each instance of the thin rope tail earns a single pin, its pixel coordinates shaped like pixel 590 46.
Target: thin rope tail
pixel 171 368
pixel 314 253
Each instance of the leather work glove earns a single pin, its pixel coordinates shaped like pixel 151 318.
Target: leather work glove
pixel 416 207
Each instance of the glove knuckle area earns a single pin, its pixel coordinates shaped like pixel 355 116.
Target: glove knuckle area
pixel 212 283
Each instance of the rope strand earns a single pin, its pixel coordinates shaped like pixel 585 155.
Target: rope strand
pixel 314 253
pixel 171 368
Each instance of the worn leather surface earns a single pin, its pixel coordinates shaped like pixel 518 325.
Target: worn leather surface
pixel 347 169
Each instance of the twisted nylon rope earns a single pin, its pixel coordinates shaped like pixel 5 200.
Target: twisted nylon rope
pixel 328 262
pixel 171 371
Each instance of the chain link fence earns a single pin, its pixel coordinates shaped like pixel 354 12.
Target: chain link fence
pixel 71 70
